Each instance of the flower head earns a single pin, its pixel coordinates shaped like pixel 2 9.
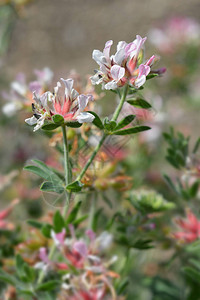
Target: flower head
pixel 122 67
pixel 190 227
pixel 68 103
pixel 20 94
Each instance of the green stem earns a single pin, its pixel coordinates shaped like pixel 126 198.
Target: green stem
pixel 114 118
pixel 121 103
pixel 92 210
pixel 66 157
pixel 68 179
pixel 90 160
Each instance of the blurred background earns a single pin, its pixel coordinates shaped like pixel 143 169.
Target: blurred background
pixel 62 34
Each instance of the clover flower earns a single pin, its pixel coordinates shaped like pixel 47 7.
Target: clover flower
pixel 20 94
pixel 190 228
pixel 69 104
pixel 123 67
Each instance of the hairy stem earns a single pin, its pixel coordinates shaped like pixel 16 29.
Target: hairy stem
pixel 114 118
pixel 68 179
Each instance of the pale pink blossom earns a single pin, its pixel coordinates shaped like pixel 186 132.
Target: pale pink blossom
pixel 68 103
pixel 122 67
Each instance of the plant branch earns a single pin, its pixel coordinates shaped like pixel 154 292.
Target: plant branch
pixel 114 118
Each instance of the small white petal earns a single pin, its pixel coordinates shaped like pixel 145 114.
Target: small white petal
pixel 74 94
pixel 112 85
pixel 82 102
pixel 121 45
pixel 69 85
pixel 119 56
pixel 85 117
pixel 140 81
pixel 31 121
pixel 117 72
pixel 106 51
pixel 99 57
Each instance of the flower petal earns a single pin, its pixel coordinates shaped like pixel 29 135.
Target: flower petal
pixel 106 51
pixel 112 85
pixel 68 86
pixel 81 248
pixel 140 81
pixel 85 117
pixel 117 72
pixel 31 121
pixel 119 56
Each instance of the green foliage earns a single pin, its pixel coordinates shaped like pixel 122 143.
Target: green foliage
pixel 58 221
pixel 51 186
pixel 133 130
pixel 109 125
pixel 58 119
pixel 50 126
pixel 177 151
pixel 97 121
pixel 139 102
pixel 149 202
pixel 124 122
pixel 73 124
pixel 75 186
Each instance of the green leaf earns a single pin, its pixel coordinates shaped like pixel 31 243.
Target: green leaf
pixel 58 119
pixel 36 170
pixel 170 183
pixel 35 224
pixel 46 230
pixel 80 220
pixel 72 216
pixel 133 130
pixel 48 286
pixel 75 186
pixel 192 273
pixel 124 122
pixel 194 189
pixel 122 286
pixel 50 186
pixel 43 171
pixel 50 126
pixel 73 124
pixel 97 121
pixel 109 125
pixel 96 219
pixel 196 147
pixel 141 103
pixel 150 76
pixel 58 222
pixel 5 277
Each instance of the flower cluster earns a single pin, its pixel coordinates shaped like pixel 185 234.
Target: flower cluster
pixel 122 68
pixel 68 104
pixel 190 227
pixel 92 276
pixel 20 94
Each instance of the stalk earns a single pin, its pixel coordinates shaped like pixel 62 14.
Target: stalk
pixel 114 118
pixel 68 179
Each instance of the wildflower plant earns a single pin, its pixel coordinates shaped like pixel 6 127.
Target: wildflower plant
pixel 65 255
